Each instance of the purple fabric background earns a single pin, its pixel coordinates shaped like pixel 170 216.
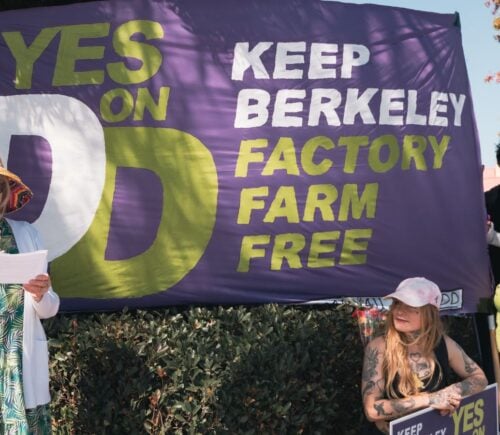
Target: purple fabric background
pixel 429 223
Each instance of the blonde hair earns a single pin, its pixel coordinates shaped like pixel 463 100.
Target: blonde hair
pixel 396 358
pixel 4 194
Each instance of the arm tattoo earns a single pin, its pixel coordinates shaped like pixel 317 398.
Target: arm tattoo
pixel 472 385
pixel 370 366
pixel 379 407
pixel 466 387
pixel 371 385
pixel 403 406
pixel 474 381
pixel 368 387
pixel 470 366
pixel 437 398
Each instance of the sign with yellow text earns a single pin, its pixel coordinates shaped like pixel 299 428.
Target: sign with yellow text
pixel 477 415
pixel 258 151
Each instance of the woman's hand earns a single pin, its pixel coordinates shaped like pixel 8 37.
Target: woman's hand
pixel 38 286
pixel 446 400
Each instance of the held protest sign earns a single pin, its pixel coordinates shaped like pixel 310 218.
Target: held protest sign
pixel 266 152
pixel 477 415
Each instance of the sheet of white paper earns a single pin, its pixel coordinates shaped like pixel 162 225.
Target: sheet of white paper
pixel 20 268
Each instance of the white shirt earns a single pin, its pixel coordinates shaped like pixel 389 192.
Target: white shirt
pixel 35 349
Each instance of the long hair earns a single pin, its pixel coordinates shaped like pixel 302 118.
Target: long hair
pixel 396 359
pixel 4 194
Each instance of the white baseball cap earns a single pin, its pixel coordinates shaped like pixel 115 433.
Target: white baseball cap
pixel 417 292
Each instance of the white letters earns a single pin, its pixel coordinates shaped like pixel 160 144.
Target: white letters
pixel 412 117
pixel 436 108
pixel 283 106
pixel 250 115
pixel 355 106
pixel 318 59
pixel 458 105
pixel 324 101
pixel 291 106
pixel 283 59
pixel 76 140
pixel 244 59
pixel 353 55
pixel 389 103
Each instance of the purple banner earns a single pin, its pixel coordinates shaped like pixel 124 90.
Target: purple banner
pixel 477 414
pixel 265 151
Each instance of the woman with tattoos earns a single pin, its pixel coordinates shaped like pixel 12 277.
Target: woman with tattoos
pixel 409 367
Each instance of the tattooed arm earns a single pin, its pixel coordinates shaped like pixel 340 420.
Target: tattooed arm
pixel 473 378
pixel 372 388
pixel 448 399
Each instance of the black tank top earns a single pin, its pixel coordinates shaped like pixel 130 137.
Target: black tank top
pixel 440 379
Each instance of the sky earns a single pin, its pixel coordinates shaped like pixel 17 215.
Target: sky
pixel 482 56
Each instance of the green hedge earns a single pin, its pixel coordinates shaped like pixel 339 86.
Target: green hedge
pixel 246 370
